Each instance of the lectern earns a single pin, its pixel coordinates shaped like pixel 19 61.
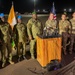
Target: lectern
pixel 48 49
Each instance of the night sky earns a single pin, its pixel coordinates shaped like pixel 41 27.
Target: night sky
pixel 28 5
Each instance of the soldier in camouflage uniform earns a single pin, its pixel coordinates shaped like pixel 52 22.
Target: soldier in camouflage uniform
pixel 51 25
pixel 5 29
pixel 2 46
pixel 33 29
pixel 72 38
pixel 64 26
pixel 20 30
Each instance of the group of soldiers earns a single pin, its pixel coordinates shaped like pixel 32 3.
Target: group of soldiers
pixel 21 33
pixel 66 28
pixel 18 36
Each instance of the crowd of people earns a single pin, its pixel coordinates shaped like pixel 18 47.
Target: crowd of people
pixel 21 33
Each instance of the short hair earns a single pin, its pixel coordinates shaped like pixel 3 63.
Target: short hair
pixel 73 12
pixel 51 13
pixel 34 12
pixel 64 14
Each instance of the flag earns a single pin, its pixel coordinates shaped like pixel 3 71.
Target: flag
pixel 11 18
pixel 53 11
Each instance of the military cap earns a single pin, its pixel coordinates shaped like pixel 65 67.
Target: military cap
pixel 1 14
pixel 19 17
pixel 33 12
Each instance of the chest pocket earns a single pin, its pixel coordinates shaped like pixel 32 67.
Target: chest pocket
pixel 4 29
pixel 73 25
pixel 21 29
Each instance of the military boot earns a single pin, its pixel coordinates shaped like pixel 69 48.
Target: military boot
pixel 24 57
pixel 19 58
pixel 10 59
pixel 32 56
pixel 11 62
pixel 3 64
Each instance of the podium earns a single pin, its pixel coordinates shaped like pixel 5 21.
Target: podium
pixel 48 49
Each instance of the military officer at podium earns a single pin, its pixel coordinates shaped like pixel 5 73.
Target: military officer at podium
pixel 64 30
pixel 51 25
pixel 33 29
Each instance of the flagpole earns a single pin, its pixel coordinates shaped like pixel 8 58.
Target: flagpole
pixel 34 5
pixel 53 10
pixel 53 3
pixel 12 3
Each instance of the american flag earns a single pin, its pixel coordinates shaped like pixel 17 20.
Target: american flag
pixel 53 11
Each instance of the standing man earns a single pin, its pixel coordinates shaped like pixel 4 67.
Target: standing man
pixel 20 31
pixel 64 26
pixel 2 46
pixel 33 29
pixel 5 29
pixel 72 38
pixel 51 25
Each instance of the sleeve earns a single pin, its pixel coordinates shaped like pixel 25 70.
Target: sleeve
pixel 15 33
pixel 26 35
pixel 55 25
pixel 70 27
pixel 41 27
pixel 59 24
pixel 46 23
pixel 10 30
pixel 29 25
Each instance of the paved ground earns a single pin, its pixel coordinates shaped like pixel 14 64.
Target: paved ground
pixel 26 67
pixel 32 67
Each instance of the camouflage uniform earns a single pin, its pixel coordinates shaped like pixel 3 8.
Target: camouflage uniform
pixel 33 29
pixel 20 39
pixel 6 38
pixel 64 31
pixel 3 49
pixel 51 26
pixel 72 38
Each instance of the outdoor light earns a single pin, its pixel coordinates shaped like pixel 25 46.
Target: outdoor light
pixel 70 10
pixel 38 10
pixel 43 10
pixel 65 9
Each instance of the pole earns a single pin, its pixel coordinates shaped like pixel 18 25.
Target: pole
pixel 34 5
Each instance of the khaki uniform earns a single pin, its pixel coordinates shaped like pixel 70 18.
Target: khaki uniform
pixel 64 27
pixel 51 26
pixel 33 29
pixel 73 26
pixel 6 37
pixel 72 38
pixel 21 39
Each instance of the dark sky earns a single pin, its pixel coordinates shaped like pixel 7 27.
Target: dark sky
pixel 28 5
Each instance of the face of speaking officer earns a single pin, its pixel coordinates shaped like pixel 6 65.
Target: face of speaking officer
pixel 51 16
pixel 63 17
